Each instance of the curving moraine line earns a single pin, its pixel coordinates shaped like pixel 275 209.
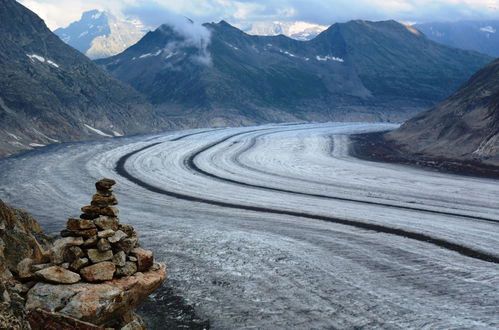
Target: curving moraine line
pixel 121 170
pixel 236 159
pixel 190 163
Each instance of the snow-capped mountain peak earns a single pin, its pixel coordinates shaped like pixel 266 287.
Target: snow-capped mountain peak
pixel 99 34
pixel 297 30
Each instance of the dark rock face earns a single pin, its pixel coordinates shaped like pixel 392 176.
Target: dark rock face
pixel 465 126
pixel 357 71
pixel 50 92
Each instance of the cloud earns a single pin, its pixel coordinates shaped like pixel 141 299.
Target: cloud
pixel 194 34
pixel 60 13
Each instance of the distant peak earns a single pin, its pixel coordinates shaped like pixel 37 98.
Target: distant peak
pixel 92 14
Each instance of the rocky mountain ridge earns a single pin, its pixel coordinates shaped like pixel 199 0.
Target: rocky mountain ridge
pixel 353 71
pixel 49 92
pixel 465 126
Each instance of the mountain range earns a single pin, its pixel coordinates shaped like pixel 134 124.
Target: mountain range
pixel 296 30
pixel 358 70
pixel 50 92
pixel 465 126
pixel 99 34
pixel 481 36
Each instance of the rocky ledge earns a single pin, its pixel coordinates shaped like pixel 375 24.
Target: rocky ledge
pixel 91 278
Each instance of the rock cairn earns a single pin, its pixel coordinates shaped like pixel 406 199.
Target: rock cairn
pixel 95 247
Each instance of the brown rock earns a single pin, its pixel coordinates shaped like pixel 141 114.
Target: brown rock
pixel 79 224
pixel 103 201
pixel 24 269
pixel 105 193
pixel 73 253
pixel 103 245
pixel 91 210
pixel 110 211
pixel 104 222
pixel 105 184
pixel 103 271
pixel 129 269
pixel 145 258
pixel 127 244
pixel 97 256
pixel 59 248
pixel 85 233
pixel 44 320
pixel 38 267
pixel 105 233
pixel 88 216
pixel 78 263
pixel 96 303
pixel 127 229
pixel 91 241
pixel 119 259
pixel 56 274
pixel 118 236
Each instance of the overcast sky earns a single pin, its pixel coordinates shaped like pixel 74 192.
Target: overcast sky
pixel 58 13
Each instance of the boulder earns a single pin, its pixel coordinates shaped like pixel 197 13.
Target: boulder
pixel 110 211
pixel 60 246
pixel 78 263
pixel 127 244
pixel 128 269
pixel 91 241
pixel 103 201
pixel 97 256
pixel 103 271
pixel 96 303
pixel 43 320
pixel 145 258
pixel 85 233
pixel 24 269
pixel 79 224
pixel 119 259
pixel 104 222
pixel 118 236
pixel 105 184
pixel 103 245
pixel 56 274
pixel 105 233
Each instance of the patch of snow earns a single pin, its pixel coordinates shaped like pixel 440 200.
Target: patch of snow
pixel 42 59
pixel 36 145
pixel 43 135
pixel 232 46
pixel 34 57
pixel 488 29
pixel 287 53
pixel 83 34
pixel 117 133
pixel 97 15
pixel 13 136
pixel 97 131
pixel 53 64
pixel 150 54
pixel 329 58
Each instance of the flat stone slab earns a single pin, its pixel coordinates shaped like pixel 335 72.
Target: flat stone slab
pixel 96 303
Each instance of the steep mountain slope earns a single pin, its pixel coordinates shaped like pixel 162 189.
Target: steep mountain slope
pixel 50 92
pixel 465 126
pixel 295 30
pixel 354 71
pixel 99 34
pixel 481 36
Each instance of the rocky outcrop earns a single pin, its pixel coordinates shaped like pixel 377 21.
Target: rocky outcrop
pixel 92 278
pixel 102 303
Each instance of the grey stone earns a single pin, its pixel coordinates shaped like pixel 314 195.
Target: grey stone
pixel 98 256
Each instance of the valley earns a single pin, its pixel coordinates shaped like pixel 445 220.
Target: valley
pixel 278 225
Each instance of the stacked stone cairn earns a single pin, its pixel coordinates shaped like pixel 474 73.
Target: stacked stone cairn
pixel 97 247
